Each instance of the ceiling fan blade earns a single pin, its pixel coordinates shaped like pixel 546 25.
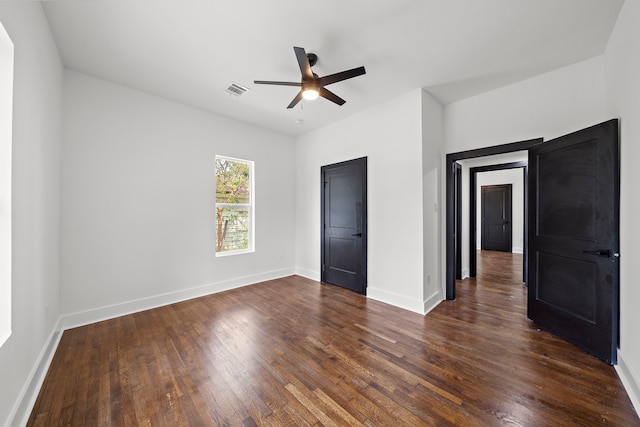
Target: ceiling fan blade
pixel 267 82
pixel 327 94
pixel 343 75
pixel 295 100
pixel 303 62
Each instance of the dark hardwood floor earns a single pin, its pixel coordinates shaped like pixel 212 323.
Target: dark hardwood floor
pixel 293 352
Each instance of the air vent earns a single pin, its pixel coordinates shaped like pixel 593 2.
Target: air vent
pixel 237 90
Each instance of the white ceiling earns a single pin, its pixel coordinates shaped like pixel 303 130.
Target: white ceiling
pixel 191 50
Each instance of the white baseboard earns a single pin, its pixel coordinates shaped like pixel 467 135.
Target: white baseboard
pixel 385 296
pixel 401 301
pixel 630 381
pixel 109 312
pixel 431 302
pixel 24 404
pixel 309 274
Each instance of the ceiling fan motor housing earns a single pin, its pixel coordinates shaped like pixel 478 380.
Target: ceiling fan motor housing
pixel 313 58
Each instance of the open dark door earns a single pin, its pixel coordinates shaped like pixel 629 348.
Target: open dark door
pixel 344 224
pixel 573 238
pixel 496 218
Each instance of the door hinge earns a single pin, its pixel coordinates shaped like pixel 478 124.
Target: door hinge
pixel 323 267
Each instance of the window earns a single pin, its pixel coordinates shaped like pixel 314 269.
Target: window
pixel 6 114
pixel 234 206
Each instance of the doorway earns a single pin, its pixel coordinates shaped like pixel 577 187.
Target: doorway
pixel 573 235
pixel 344 224
pixel 451 183
pixel 520 239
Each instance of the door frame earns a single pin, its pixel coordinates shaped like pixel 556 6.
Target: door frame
pixel 473 212
pixel 458 214
pixel 362 161
pixel 450 217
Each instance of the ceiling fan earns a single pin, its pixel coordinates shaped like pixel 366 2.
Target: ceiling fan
pixel 312 86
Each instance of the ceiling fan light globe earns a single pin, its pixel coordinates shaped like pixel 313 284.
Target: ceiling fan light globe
pixel 310 94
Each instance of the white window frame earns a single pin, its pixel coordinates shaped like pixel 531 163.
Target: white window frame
pixel 6 118
pixel 250 207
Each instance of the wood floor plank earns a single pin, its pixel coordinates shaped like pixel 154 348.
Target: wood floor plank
pixel 294 352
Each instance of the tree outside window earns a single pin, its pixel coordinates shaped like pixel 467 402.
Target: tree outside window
pixel 234 206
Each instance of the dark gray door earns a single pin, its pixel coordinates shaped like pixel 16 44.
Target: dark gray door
pixel 496 218
pixel 344 224
pixel 573 238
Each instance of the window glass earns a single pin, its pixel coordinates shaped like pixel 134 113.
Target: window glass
pixel 234 206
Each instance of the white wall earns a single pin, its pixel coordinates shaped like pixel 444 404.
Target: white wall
pixel 432 143
pixel 138 201
pixel 515 177
pixel 623 90
pixel 390 136
pixel 546 106
pixel 36 191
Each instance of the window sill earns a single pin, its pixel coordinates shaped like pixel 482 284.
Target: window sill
pixel 229 253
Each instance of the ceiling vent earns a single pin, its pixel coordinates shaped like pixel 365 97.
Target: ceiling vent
pixel 237 90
